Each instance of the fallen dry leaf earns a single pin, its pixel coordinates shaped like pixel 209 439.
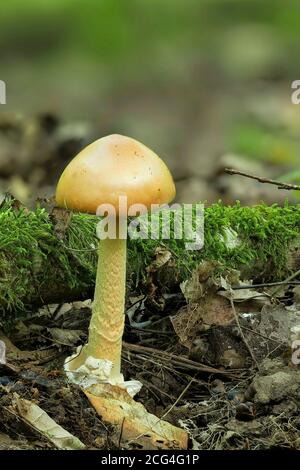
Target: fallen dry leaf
pixel 41 421
pixel 136 428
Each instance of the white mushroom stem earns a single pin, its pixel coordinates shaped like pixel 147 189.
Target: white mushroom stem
pixel 107 322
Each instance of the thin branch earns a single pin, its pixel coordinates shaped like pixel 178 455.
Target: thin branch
pixel 173 359
pixel 121 433
pixel 266 284
pixel 242 334
pixel 261 179
pixel 177 400
pixel 168 411
pixel 288 280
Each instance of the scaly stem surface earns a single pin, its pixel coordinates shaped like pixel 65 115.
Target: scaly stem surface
pixel 107 322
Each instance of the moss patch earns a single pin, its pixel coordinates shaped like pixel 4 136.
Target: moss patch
pixel 264 234
pixel 33 259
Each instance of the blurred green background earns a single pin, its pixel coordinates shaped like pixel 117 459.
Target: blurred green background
pixel 205 83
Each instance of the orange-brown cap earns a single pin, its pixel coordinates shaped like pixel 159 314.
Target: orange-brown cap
pixel 110 167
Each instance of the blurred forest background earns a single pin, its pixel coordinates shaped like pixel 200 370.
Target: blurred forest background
pixel 205 83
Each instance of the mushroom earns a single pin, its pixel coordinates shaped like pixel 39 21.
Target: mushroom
pixel 109 168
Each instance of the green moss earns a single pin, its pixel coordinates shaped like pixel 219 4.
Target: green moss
pixel 264 234
pixel 32 257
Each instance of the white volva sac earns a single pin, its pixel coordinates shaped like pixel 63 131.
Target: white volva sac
pixel 98 371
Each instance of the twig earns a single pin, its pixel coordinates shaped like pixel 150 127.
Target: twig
pixel 266 284
pixel 152 387
pixel 242 333
pixel 167 412
pixel 261 179
pixel 121 433
pixel 179 361
pixel 10 367
pixel 262 336
pixel 177 400
pixel 287 280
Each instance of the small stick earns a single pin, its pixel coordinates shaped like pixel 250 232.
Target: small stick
pixel 242 334
pixel 290 278
pixel 173 358
pixel 279 184
pixel 266 284
pixel 168 411
pixel 177 400
pixel 121 433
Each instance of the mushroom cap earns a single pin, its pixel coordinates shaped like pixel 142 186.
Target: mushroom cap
pixel 110 167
